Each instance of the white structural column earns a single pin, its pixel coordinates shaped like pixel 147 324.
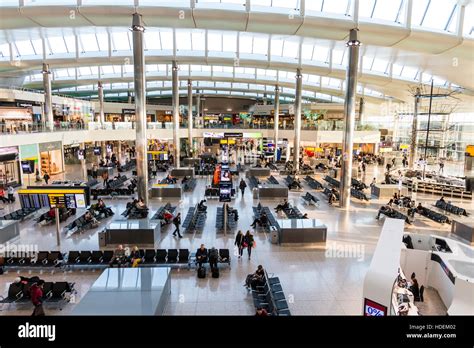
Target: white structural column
pixel 276 119
pixel 349 119
pixel 83 162
pixel 101 104
pixel 175 102
pixel 198 108
pixel 48 104
pixel 296 145
pixel 190 117
pixel 414 131
pixel 140 108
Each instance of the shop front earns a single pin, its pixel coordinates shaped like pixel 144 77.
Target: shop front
pixel 51 155
pixel 28 154
pixel 9 166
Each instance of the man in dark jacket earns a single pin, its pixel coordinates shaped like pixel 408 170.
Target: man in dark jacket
pixel 242 186
pixel 36 294
pixel 213 258
pixel 176 223
pixel 201 255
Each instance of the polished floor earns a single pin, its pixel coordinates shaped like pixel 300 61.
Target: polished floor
pixel 314 281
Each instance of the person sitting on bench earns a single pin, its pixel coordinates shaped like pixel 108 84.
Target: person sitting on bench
pixel 442 199
pixel 141 208
pixel 332 196
pixel 305 216
pixel 414 288
pixel 386 210
pixel 119 256
pixel 262 220
pixel 282 206
pixel 295 184
pixel 130 206
pixel 255 279
pixel 103 209
pixel 184 180
pixel 167 217
pixel 201 206
pixel 90 219
pixel 201 255
pixel 170 180
pixel 136 256
pixel 419 209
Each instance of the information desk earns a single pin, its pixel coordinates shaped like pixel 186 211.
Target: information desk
pixel 272 191
pixel 165 191
pixel 463 229
pixel 301 231
pixel 258 172
pixel 127 291
pixel 8 229
pixel 182 172
pixel 141 232
pixel 386 191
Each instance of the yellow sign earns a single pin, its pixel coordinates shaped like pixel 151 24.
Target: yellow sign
pixel 49 191
pixel 404 146
pixel 470 150
pixel 231 141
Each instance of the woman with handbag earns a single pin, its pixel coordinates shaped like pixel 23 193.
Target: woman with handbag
pixel 239 243
pixel 249 243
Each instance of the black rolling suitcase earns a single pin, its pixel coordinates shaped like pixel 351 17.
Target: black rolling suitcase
pixel 215 272
pixel 201 272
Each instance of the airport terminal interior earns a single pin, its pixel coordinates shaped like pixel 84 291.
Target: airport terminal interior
pixel 236 157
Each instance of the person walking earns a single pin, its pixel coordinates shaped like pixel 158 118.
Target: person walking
pixel 242 186
pixel 249 243
pixel 36 295
pixel 239 243
pixel 11 193
pixel 176 223
pixel 46 177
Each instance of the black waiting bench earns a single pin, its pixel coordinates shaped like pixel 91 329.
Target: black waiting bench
pixel 313 183
pixel 20 214
pixel 309 199
pixel 272 180
pixel 451 208
pixel 269 295
pixel 194 220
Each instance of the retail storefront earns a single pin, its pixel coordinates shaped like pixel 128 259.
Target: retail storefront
pixel 51 155
pixel 9 166
pixel 29 153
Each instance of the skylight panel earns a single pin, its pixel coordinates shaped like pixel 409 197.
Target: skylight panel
pixel 121 41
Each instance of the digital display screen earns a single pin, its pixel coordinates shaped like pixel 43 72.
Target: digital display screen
pixel 225 194
pixel 374 309
pixel 28 167
pixel 225 175
pixel 108 148
pixel 97 151
pixel 81 154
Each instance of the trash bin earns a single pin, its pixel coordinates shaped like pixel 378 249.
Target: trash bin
pixel 255 193
pixel 274 238
pixel 102 242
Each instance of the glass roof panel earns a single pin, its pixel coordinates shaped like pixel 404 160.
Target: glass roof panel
pixel 229 42
pixel 121 41
pixel 245 43
pixel 468 28
pixel 183 40
pixel 290 48
pixel 307 51
pixel 214 41
pixel 56 45
pixel 166 39
pixel 167 3
pixel 198 40
pixel 418 11
pixel 24 48
pixel 276 47
pixel 89 43
pixel 38 46
pixel 438 14
pixel 337 6
pixel 152 39
pixel 380 65
pixel 387 10
pixel 260 44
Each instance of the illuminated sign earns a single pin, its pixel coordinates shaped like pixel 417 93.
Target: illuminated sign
pixel 374 309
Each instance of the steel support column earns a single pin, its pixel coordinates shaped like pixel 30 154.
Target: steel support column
pixel 48 104
pixel 296 146
pixel 276 119
pixel 140 107
pixel 414 131
pixel 175 102
pixel 190 117
pixel 101 104
pixel 349 119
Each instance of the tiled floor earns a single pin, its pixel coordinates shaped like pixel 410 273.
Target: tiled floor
pixel 314 282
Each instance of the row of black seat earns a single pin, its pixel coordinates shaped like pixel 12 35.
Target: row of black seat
pixel 47 218
pixel 253 182
pixel 359 194
pixel 451 208
pixel 270 296
pixel 40 259
pixel 358 185
pixel 433 215
pixel 232 218
pixel 313 183
pixel 81 223
pixel 272 180
pixel 310 198
pixel 293 213
pixel 92 182
pixel 328 192
pixel 117 182
pixel 19 214
pixel 159 213
pixel 128 166
pixel 305 170
pixel 189 185
pixel 53 292
pixel 333 182
pixel 259 209
pixel 194 220
pixel 272 166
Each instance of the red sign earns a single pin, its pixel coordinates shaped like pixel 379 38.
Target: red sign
pixel 374 309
